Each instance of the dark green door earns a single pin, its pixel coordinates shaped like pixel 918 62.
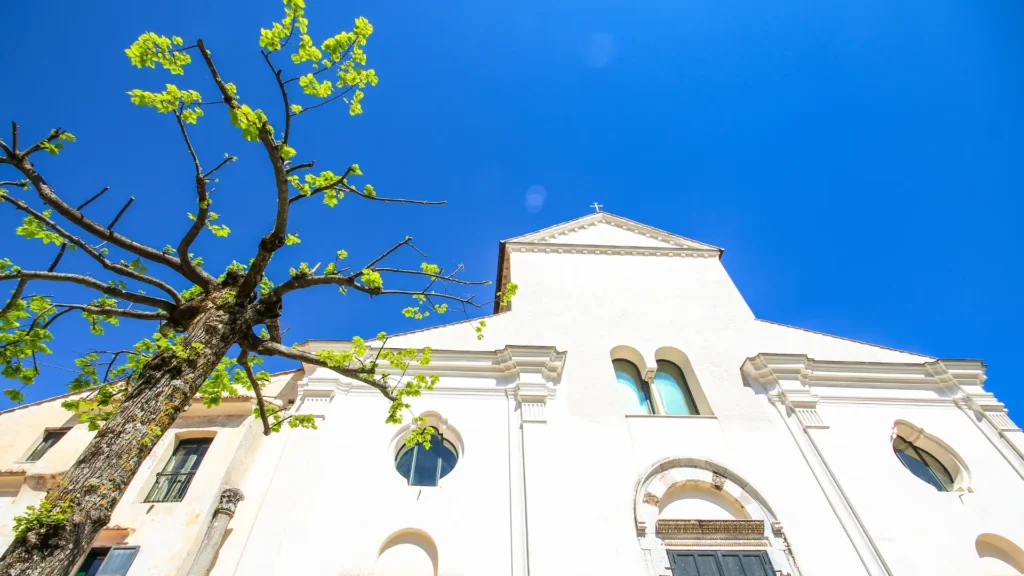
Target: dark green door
pixel 720 563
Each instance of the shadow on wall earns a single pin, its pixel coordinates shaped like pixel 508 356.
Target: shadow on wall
pixel 408 552
pixel 999 556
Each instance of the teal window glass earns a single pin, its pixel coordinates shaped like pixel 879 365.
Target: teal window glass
pixel 673 390
pixel 628 375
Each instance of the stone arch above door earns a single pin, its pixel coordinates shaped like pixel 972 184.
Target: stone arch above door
pixel 685 503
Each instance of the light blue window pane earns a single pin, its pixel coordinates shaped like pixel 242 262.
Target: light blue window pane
pixel 673 390
pixel 629 376
pixel 118 561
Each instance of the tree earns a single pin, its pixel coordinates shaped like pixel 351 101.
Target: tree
pixel 210 337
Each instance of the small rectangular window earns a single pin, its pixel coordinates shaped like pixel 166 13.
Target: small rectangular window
pixel 108 561
pixel 50 437
pixel 173 482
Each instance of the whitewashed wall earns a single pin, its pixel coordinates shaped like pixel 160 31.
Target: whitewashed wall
pixel 327 501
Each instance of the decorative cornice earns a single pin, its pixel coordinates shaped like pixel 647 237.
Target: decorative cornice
pixel 601 250
pixel 528 373
pixel 802 382
pixel 549 236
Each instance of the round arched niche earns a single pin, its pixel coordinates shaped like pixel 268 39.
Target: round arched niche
pixel 998 556
pixel 408 552
pixel 940 450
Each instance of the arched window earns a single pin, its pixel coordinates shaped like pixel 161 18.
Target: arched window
pixel 923 464
pixel 423 466
pixel 673 390
pixel 639 394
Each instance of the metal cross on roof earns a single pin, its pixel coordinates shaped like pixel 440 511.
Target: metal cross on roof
pixel 597 207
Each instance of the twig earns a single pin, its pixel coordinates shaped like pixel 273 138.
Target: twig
pixel 95 196
pixel 121 213
pixel 93 252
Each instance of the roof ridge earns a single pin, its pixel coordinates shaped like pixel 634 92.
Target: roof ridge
pixel 847 339
pixel 609 218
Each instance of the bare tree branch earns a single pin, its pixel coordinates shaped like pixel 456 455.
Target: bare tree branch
pixel 325 102
pixel 14 138
pixel 16 294
pixel 365 375
pixel 194 273
pixel 119 312
pixel 53 135
pixel 448 278
pixel 50 198
pixel 302 166
pixel 121 213
pixel 284 95
pixel 91 283
pixel 341 185
pixel 95 254
pixel 408 240
pixel 274 239
pixel 243 359
pixel 94 196
pixel 225 161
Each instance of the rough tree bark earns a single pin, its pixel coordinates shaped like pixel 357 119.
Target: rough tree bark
pixel 165 388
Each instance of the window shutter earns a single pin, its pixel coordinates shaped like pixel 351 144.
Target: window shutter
pixel 719 563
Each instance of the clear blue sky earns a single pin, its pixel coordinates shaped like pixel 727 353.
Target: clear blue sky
pixel 861 161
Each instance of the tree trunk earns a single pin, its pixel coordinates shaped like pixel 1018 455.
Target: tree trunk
pixel 95 483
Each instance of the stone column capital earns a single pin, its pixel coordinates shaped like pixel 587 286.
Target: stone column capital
pixel 229 500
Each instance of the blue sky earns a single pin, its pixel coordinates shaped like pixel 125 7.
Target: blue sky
pixel 861 162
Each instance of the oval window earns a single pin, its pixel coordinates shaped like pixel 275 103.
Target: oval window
pixel 423 466
pixel 923 464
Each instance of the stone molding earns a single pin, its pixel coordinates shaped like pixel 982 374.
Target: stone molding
pixel 673 243
pixel 801 383
pixel 530 374
pixel 599 250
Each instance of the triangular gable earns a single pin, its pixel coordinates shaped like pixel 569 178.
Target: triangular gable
pixel 608 230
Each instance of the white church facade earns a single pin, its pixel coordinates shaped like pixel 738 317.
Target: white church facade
pixel 628 415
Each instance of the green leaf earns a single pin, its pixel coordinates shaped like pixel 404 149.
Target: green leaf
pixel 372 280
pixel 33 229
pixel 292 238
pixel 312 87
pixel 151 49
pixel 250 121
pixel 286 151
pixel 16 396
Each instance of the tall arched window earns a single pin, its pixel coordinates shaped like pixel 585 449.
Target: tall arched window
pixel 423 466
pixel 673 390
pixel 638 394
pixel 923 464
